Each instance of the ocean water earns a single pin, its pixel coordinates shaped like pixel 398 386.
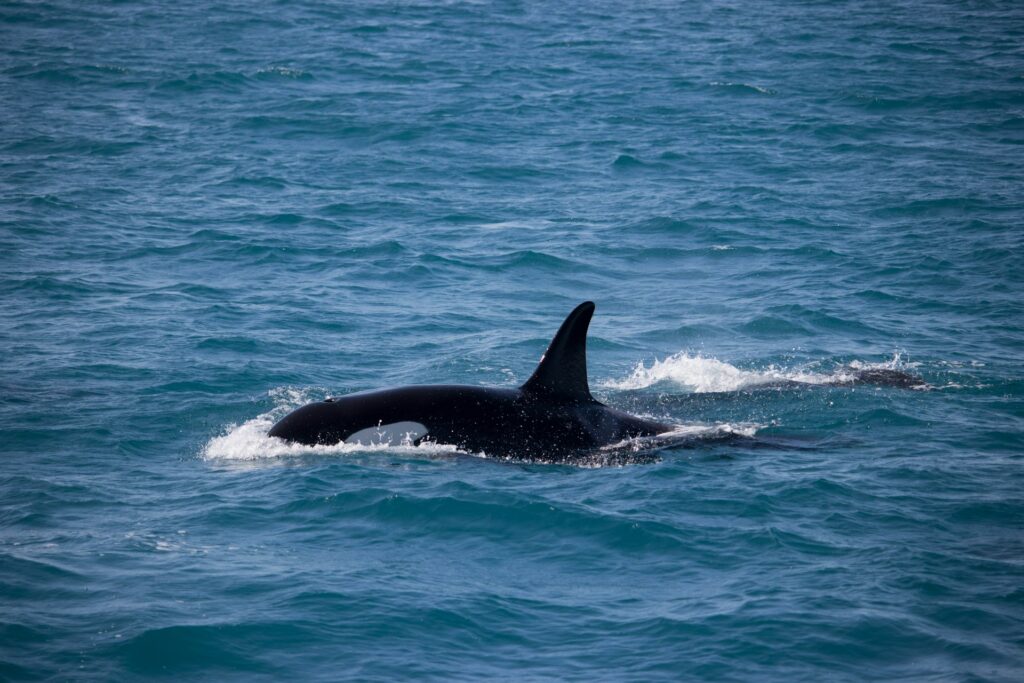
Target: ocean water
pixel 213 213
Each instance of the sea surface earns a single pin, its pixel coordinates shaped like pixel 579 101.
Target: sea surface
pixel 212 213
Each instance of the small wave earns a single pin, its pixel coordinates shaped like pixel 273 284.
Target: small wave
pixel 710 375
pixel 644 449
pixel 748 88
pixel 283 71
pixel 627 161
pixel 686 434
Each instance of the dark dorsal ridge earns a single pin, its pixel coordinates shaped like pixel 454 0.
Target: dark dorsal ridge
pixel 562 371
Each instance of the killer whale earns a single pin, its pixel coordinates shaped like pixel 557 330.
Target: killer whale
pixel 551 417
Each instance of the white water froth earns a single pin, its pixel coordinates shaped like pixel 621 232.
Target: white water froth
pixel 686 433
pixel 699 431
pixel 710 375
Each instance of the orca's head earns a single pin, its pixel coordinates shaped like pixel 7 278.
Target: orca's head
pixel 312 425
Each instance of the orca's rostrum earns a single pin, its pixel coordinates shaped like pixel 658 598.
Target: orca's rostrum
pixel 551 417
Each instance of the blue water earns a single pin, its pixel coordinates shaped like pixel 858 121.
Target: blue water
pixel 213 214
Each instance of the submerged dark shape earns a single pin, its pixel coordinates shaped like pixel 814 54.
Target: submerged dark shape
pixel 552 417
pixel 880 377
pixel 888 377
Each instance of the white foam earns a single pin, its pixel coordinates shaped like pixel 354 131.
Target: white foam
pixel 683 433
pixel 709 375
pixel 750 86
pixel 895 363
pixel 641 449
pixel 746 429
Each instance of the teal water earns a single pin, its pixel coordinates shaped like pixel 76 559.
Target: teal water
pixel 212 214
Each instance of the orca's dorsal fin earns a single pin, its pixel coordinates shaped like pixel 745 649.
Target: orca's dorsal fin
pixel 562 371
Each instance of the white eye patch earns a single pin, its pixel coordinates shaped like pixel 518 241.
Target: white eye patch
pixel 395 434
